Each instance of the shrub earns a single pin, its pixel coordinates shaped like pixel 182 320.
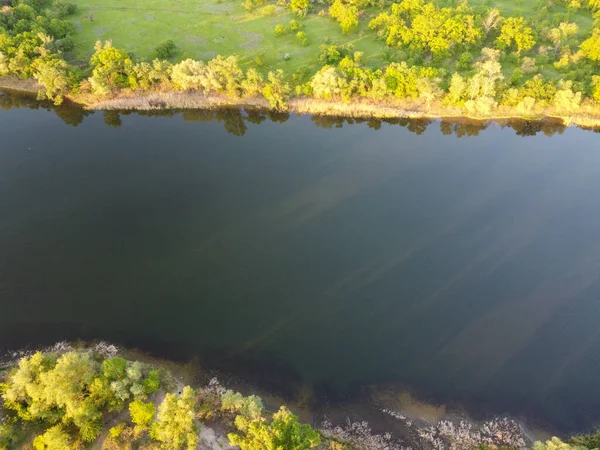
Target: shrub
pixel 280 30
pixel 250 407
pixel 301 35
pixel 165 50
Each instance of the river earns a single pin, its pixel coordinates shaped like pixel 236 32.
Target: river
pixel 460 260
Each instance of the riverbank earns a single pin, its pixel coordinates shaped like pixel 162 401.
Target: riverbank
pixel 587 117
pixel 394 423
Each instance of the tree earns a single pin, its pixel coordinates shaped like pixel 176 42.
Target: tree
pixel 53 75
pixel 250 407
pixel 555 444
pixel 561 34
pixel 280 30
pixel 253 83
pixel 300 7
pixel 565 100
pixel 492 20
pixel 346 15
pixel 54 438
pixel 188 74
pixel 596 95
pixel 301 36
pixel 165 49
pixel 111 68
pixel 174 427
pixel 284 432
pixel 142 414
pixel 515 32
pixel 327 83
pixel 277 91
pixel 426 26
pixel 590 48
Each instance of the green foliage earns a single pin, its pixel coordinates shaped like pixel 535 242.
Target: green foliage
pixel 333 53
pixel 55 77
pixel 142 414
pixel 111 68
pixel 516 33
pixel 152 382
pixel 165 50
pixel 427 27
pixel 588 440
pixel 8 432
pixel 280 30
pixel 283 432
pixel 174 427
pixel 62 8
pixel 301 36
pixel 250 407
pixel 295 25
pixel 556 444
pixel 596 96
pixel 276 90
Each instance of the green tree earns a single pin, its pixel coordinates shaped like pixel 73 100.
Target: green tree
pixel 165 49
pixel 561 34
pixel 280 30
pixel 111 68
pixel 596 96
pixel 590 48
pixel 516 32
pixel 174 427
pixel 301 36
pixel 284 432
pixel 276 90
pixel 250 407
pixel 555 444
pixel 53 75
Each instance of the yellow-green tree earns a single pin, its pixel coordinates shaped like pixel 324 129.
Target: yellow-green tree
pixel 175 427
pixel 346 15
pixel 54 438
pixel 517 33
pixel 590 48
pixel 283 432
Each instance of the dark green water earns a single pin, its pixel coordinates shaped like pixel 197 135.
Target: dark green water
pixel 460 260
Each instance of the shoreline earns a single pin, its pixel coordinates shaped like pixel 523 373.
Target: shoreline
pixel 588 117
pixel 385 409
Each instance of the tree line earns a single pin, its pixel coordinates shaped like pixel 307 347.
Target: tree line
pixel 451 55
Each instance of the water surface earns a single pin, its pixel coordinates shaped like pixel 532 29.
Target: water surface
pixel 460 260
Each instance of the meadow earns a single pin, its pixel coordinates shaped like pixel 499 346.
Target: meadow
pixel 203 29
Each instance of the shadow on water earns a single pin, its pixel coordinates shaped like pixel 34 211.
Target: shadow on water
pixel 236 120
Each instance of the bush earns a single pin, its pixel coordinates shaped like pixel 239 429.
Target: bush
pixel 165 50
pixel 301 35
pixel 280 30
pixel 250 407
pixel 142 414
pixel 295 26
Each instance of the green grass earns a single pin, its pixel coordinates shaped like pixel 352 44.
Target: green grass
pixel 203 29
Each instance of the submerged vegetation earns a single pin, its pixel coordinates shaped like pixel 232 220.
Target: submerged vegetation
pixel 439 57
pixel 67 398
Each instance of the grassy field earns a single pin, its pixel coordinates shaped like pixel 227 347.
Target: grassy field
pixel 204 28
